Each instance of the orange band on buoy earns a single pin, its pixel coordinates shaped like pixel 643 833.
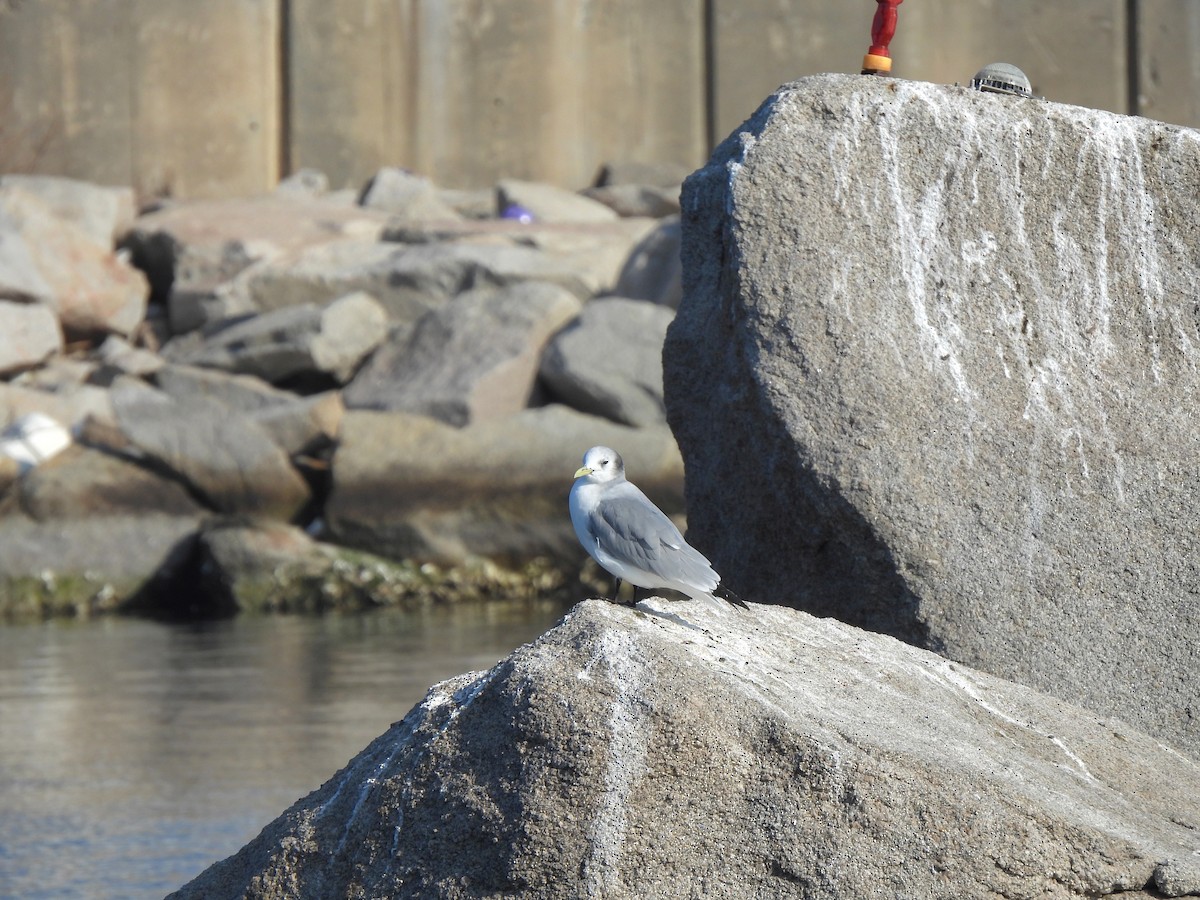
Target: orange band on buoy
pixel 879 65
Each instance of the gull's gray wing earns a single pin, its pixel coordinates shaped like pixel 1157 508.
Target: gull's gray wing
pixel 628 526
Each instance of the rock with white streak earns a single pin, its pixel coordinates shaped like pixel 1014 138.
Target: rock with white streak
pixel 680 751
pixel 949 340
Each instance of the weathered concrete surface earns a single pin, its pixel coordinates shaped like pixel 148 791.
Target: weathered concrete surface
pixel 681 751
pixel 613 81
pixel 175 98
pixel 931 376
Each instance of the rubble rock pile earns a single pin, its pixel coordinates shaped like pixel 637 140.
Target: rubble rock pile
pixel 383 392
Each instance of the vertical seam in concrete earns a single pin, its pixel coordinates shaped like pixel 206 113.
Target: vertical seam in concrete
pixel 284 93
pixel 710 75
pixel 1133 103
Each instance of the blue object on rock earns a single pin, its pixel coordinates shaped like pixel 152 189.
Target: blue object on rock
pixel 518 212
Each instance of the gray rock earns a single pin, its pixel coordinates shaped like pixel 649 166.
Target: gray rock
pixel 410 487
pixel 104 213
pixel 118 356
pixel 949 364
pixel 608 362
pixel 653 270
pixel 300 425
pixel 57 263
pixel 245 393
pixel 637 199
pixel 189 249
pixel 407 280
pixel 472 359
pixel 259 227
pixel 88 532
pixel 303 184
pixel 682 751
pixel 549 203
pixel 260 567
pixel 29 334
pixel 406 196
pixel 81 482
pixel 225 456
pixel 81 567
pixel 595 252
pixel 298 341
pixel 660 174
pixel 305 425
pixel 472 203
pixel 70 405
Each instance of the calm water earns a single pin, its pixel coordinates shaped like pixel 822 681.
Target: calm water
pixel 134 754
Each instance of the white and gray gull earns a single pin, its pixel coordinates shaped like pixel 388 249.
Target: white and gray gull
pixel 633 539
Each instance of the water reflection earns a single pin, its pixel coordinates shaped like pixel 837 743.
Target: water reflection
pixel 133 754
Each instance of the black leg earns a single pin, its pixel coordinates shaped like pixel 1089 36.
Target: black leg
pixel 616 595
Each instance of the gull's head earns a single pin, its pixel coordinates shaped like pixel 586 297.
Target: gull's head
pixel 601 464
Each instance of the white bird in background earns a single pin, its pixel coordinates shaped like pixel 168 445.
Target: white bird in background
pixel 633 539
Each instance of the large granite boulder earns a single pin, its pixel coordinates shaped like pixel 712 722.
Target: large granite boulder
pixel 408 486
pixel 680 751
pixel 471 359
pixel 931 376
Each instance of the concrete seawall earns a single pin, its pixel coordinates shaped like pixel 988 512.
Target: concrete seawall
pixel 223 98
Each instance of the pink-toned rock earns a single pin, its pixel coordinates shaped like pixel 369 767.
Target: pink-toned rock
pixel 92 289
pixel 103 212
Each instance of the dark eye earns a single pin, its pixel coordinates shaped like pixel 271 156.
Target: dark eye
pixel 604 462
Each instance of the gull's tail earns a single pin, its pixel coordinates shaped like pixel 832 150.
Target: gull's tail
pixel 729 596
